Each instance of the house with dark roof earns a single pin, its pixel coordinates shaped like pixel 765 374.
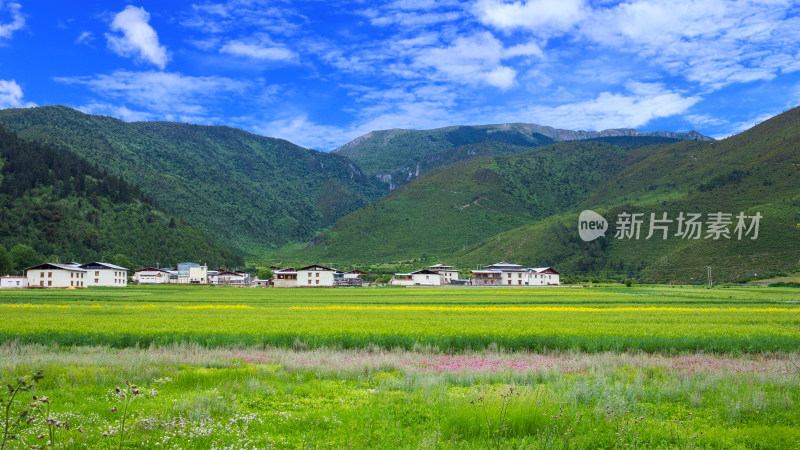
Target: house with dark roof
pixel 105 274
pixel 53 275
pixel 508 274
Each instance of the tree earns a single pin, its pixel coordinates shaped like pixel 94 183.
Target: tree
pixel 264 273
pixel 23 256
pixel 120 260
pixel 6 263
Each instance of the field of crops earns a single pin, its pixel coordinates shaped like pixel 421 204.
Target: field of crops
pixel 653 319
pixel 603 367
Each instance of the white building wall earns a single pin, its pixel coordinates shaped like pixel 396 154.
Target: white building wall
pixel 13 282
pixel 57 278
pixel 401 282
pixel 427 279
pixel 106 277
pixel 198 275
pixel 151 277
pixel 315 278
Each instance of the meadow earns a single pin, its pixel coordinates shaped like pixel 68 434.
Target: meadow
pixel 601 367
pixel 451 319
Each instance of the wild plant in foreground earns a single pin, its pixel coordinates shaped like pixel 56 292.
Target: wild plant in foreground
pixel 40 407
pixel 126 395
pixel 12 423
pixel 498 428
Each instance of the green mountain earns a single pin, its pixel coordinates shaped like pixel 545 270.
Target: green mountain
pixel 398 156
pixel 67 209
pixel 456 208
pixel 755 172
pixel 250 192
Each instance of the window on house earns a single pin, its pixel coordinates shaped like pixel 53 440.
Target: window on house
pixel 41 274
pixel 49 274
pixel 317 281
pixel 50 283
pixel 317 274
pixel 309 281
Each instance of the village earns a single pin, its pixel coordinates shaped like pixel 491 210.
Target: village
pixel 74 275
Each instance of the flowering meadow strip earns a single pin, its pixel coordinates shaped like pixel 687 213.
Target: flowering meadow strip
pixel 542 308
pixel 651 319
pixel 190 396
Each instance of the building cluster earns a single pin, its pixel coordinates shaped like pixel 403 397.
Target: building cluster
pixel 75 275
pixel 190 273
pixel 499 274
pixel 316 276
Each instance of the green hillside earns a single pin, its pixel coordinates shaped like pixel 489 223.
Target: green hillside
pixel 467 214
pixel 399 156
pixel 459 207
pixel 250 192
pixel 66 209
pixel 757 171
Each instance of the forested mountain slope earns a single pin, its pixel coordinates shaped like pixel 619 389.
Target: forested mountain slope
pixel 251 192
pixel 67 209
pixel 439 214
pixel 755 172
pixel 398 156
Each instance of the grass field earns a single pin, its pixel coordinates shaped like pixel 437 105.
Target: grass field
pixel 603 367
pixel 653 319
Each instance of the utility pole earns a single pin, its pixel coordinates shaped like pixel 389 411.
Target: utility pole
pixel 710 283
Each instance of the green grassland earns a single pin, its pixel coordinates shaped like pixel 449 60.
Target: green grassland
pixel 595 367
pixel 194 397
pixel 653 319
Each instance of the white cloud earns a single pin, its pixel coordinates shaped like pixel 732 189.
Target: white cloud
pixel 641 103
pixel 167 96
pixel 301 131
pixel 85 38
pixel 543 17
pixel 11 95
pixel 244 16
pixel 713 43
pixel 120 112
pixel 138 38
pixel 17 20
pixel 475 59
pixel 261 50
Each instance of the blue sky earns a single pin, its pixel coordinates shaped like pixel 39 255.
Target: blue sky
pixel 320 73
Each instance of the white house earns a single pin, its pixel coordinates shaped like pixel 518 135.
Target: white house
pixel 507 274
pixel 423 277
pixel 315 276
pixel 543 276
pixel 353 274
pixel 13 282
pixel 191 273
pixel 229 278
pixel 51 275
pixel 105 274
pixel 151 275
pixel 448 273
pixel 285 278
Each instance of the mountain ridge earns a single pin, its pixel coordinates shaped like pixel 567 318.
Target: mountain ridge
pixel 251 191
pixel 397 156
